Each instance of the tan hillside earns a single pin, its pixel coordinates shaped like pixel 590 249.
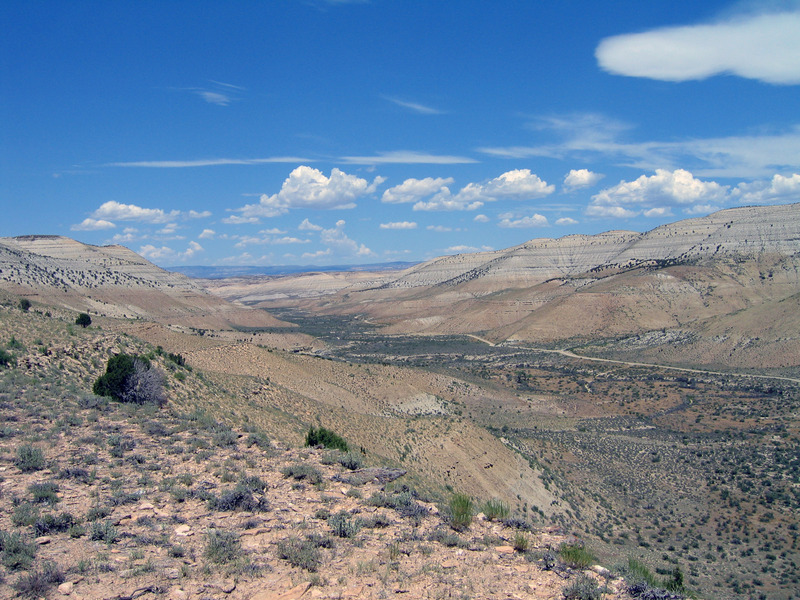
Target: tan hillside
pixel 689 277
pixel 210 496
pixel 113 281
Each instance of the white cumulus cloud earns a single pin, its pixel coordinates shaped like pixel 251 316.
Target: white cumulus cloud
pixel 307 187
pixel 519 184
pixel 413 190
pixel 513 222
pixel 90 224
pixel 765 47
pixel 399 225
pixel 337 242
pixel 778 189
pixel 207 234
pixel 566 221
pixel 165 254
pixel 580 178
pixel 659 192
pixel 307 225
pixel 116 211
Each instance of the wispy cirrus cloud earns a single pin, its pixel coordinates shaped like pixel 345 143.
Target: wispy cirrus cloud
pixel 414 106
pixel 764 46
pixel 407 157
pixel 593 137
pixel 218 93
pixel 206 162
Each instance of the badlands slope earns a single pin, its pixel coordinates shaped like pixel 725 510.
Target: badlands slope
pixel 113 281
pixel 726 286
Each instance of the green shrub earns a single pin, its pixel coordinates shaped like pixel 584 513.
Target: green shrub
pixel 44 493
pixel 583 587
pixel 103 531
pixel 576 556
pixel 241 497
pixel 495 509
pixel 52 523
pixel 303 473
pixel 7 359
pixel 25 514
pixel 37 584
pixel 343 526
pixel 325 437
pixel 16 553
pixel 29 458
pixel 302 553
pixel 520 542
pixel 24 304
pixel 131 379
pixel 222 546
pixel 84 320
pixel 461 509
pixel 259 439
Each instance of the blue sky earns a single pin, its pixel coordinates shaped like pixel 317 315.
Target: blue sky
pixel 337 132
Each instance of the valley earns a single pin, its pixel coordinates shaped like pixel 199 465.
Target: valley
pixel 636 394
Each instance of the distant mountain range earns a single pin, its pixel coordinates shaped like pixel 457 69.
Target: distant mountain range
pixel 205 272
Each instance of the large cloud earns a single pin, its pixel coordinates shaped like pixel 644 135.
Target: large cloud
pixel 656 194
pixel 765 47
pixel 116 211
pixel 519 184
pixel 307 187
pixel 511 221
pixel 778 189
pixel 580 178
pixel 90 224
pixel 337 242
pixel 413 190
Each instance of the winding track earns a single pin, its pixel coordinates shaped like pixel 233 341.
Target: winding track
pixel 569 354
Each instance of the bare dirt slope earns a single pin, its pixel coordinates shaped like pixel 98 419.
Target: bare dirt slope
pixel 113 281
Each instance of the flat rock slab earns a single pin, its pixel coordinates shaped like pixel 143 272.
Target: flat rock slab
pixel 362 476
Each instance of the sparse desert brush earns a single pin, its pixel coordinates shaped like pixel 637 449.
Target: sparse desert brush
pixel 495 509
pixel 302 553
pixel 327 438
pixel 583 587
pixel 520 542
pixel 7 359
pixel 103 531
pixel 343 525
pixel 302 472
pixel 576 556
pixel 131 379
pixel 29 458
pixel 16 552
pixel 44 493
pixel 461 509
pixel 37 583
pixel 222 546
pixel 349 460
